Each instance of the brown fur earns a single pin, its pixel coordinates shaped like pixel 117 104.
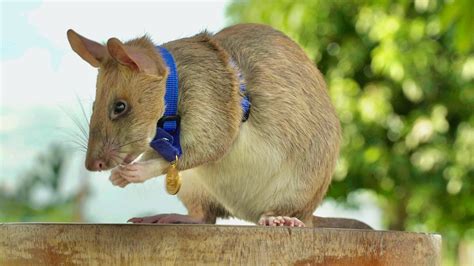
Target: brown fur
pixel 208 87
pixel 279 162
pixel 304 118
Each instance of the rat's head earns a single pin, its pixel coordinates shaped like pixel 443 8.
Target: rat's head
pixel 129 98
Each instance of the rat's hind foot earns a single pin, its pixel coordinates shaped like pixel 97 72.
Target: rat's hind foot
pixel 171 218
pixel 280 221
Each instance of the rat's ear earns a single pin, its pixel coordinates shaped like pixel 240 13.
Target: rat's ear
pixel 132 58
pixel 92 52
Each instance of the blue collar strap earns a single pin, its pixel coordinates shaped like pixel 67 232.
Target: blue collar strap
pixel 166 140
pixel 245 102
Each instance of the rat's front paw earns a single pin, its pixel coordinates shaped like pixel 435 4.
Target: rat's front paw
pixel 117 179
pixel 139 172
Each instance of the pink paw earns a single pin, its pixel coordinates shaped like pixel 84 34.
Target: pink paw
pixel 137 172
pixel 117 179
pixel 280 221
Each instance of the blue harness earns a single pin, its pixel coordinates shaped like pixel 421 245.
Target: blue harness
pixel 166 140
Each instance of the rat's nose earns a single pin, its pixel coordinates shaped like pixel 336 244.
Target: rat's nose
pixel 95 165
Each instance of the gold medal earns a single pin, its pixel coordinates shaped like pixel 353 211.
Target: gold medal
pixel 173 179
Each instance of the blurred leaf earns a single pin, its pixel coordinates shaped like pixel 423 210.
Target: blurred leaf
pixel 400 76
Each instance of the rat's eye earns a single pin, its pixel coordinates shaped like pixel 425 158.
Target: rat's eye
pixel 120 107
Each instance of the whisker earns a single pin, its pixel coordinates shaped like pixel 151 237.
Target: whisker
pixel 106 142
pixel 114 139
pixel 117 162
pixel 79 145
pixel 116 159
pixel 120 152
pixel 70 134
pixel 82 108
pixel 75 145
pixel 80 126
pixel 75 136
pixel 131 142
pixel 116 156
pixel 76 122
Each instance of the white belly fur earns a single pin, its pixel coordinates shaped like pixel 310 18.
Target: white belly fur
pixel 251 179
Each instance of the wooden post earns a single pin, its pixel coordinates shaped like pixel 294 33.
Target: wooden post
pixel 127 244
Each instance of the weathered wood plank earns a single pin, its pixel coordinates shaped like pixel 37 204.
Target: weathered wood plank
pixel 126 244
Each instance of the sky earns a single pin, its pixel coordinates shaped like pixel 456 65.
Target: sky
pixel 43 82
pixel 37 60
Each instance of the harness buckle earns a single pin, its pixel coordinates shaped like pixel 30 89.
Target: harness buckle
pixel 170 123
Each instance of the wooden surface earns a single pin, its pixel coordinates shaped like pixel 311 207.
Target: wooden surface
pixel 125 244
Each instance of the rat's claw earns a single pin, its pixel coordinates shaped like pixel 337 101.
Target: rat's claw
pixel 138 172
pixel 280 221
pixel 135 220
pixel 117 179
pixel 120 182
pixel 123 183
pixel 268 221
pixel 293 221
pixel 129 167
pixel 133 177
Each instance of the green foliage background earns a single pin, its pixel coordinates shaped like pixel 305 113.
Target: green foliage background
pixel 400 74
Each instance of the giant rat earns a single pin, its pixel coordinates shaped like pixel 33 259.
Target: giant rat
pixel 272 169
